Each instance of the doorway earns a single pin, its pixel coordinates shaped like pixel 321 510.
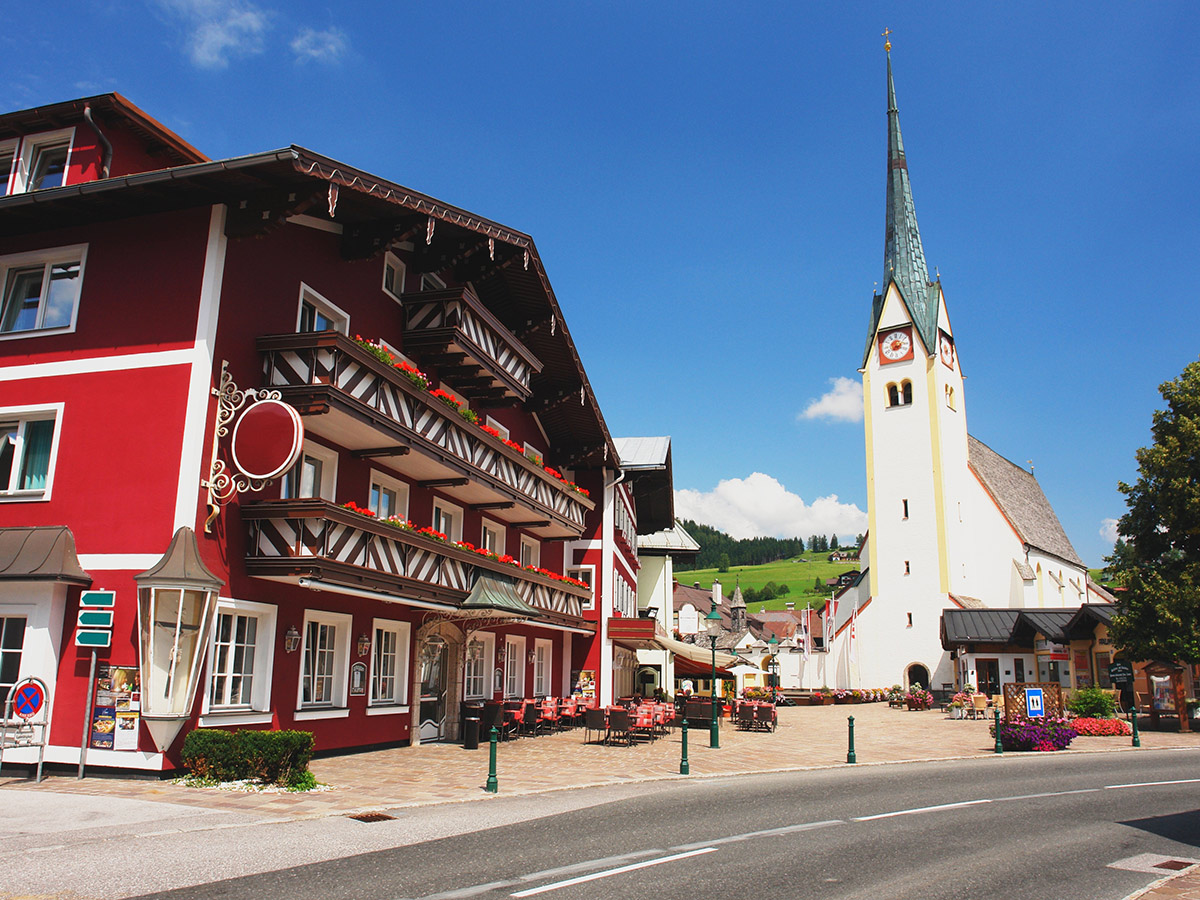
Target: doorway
pixel 988 672
pixel 918 675
pixel 434 672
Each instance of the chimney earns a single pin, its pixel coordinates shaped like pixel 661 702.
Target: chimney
pixel 716 593
pixel 696 585
pixel 789 605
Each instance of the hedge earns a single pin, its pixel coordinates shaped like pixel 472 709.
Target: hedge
pixel 270 757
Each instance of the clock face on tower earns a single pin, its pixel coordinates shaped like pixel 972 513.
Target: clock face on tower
pixel 895 345
pixel 946 349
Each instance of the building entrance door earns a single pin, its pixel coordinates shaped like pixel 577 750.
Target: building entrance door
pixel 434 672
pixel 988 671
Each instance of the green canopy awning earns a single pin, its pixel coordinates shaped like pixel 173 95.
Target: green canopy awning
pixel 496 595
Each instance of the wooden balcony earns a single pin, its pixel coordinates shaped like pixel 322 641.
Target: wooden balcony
pixel 472 351
pixel 351 398
pixel 293 539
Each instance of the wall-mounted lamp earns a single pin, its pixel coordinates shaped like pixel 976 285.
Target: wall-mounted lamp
pixel 291 640
pixel 531 657
pixel 364 644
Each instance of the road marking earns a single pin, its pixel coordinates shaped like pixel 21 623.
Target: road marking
pixel 769 832
pixel 1115 787
pixel 597 875
pixel 1046 794
pixel 919 809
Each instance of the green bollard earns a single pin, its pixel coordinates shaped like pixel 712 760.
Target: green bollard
pixel 684 768
pixel 1137 740
pixel 999 746
pixel 492 787
pixel 850 756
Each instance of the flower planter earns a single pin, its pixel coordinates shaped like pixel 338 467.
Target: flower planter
pixel 841 700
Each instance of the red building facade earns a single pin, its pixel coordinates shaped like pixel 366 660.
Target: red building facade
pixel 454 527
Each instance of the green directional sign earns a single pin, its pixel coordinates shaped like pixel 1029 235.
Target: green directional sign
pixel 98 598
pixel 95 618
pixel 97 638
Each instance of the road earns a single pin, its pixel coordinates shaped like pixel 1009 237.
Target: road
pixel 1041 827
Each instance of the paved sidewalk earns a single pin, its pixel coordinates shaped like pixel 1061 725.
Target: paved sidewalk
pixel 1184 885
pixel 807 737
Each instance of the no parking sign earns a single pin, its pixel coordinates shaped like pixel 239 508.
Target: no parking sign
pixel 1035 703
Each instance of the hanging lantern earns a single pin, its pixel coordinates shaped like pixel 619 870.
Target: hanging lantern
pixel 291 641
pixel 177 601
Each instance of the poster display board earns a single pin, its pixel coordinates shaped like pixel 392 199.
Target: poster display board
pixel 583 683
pixel 117 709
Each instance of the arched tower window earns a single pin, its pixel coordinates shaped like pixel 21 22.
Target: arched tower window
pixel 906 392
pixel 900 394
pixel 893 395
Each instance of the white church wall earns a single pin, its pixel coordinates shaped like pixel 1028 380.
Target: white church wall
pixel 991 547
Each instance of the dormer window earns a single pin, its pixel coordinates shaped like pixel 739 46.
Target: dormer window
pixel 41 163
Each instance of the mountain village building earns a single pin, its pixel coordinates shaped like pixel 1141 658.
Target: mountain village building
pixel 951 523
pixel 323 442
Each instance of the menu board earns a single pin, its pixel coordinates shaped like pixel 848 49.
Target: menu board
pixel 117 708
pixel 584 682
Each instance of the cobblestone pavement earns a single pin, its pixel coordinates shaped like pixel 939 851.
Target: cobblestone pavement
pixel 807 737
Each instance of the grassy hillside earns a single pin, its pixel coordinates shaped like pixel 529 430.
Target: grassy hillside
pixel 798 574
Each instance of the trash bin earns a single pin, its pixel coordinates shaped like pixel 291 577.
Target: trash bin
pixel 471 733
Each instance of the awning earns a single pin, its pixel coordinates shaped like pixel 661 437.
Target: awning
pixel 693 669
pixel 496 595
pixel 46 553
pixel 696 653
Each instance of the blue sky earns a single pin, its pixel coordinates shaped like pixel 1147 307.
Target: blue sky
pixel 705 183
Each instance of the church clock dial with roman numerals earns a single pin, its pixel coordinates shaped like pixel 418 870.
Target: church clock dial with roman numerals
pixel 896 345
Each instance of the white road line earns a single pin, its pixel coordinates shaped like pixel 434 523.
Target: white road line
pixel 1046 794
pixel 597 875
pixel 1115 787
pixel 751 835
pixel 920 809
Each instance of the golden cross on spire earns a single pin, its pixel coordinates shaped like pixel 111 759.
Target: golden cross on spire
pixel 887 44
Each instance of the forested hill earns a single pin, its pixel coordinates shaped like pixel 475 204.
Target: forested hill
pixel 717 549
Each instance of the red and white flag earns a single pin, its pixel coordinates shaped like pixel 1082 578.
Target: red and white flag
pixel 853 627
pixel 829 613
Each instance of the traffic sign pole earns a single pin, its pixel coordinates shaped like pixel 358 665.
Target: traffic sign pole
pixel 87 717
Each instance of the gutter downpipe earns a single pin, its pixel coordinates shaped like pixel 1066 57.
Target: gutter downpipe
pixel 106 158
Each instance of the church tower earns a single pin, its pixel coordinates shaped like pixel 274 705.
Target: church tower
pixel 916 446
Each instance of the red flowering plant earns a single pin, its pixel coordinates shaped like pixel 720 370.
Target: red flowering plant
pixel 385 356
pixel 354 507
pixel 490 430
pixel 514 445
pixel 431 532
pixel 1042 733
pixel 1093 727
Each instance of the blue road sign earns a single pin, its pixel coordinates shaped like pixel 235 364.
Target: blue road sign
pixel 28 700
pixel 1035 704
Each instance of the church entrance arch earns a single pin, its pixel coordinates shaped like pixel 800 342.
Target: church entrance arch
pixel 918 674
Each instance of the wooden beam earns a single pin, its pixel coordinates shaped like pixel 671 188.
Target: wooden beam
pixel 443 482
pixel 263 211
pixel 374 452
pixel 501 504
pixel 539 523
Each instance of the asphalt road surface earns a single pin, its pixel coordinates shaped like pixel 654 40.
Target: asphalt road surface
pixel 1013 827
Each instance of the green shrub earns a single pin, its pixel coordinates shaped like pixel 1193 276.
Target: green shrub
pixel 270 757
pixel 1092 703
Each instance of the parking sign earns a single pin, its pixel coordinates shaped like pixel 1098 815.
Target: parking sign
pixel 1034 702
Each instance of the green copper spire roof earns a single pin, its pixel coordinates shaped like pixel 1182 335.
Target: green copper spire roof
pixel 903 256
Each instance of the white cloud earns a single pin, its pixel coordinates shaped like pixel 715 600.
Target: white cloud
pixel 759 506
pixel 323 46
pixel 1108 530
pixel 842 403
pixel 220 29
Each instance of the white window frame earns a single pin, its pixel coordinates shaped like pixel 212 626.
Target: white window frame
pixel 445 507
pixel 258 710
pixel 543 666
pixel 331 311
pixel 535 551
pixel 588 574
pixel 22 415
pixel 533 454
pixel 47 258
pixel 397 701
pixel 391 483
pixel 329 461
pixel 396 265
pixel 484 677
pixel 496 528
pixel 505 434
pixel 9 146
pixel 335 706
pixel 435 282
pixel 514 666
pixel 31 146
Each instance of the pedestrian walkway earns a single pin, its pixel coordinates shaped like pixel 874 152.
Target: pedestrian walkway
pixel 1183 886
pixel 807 737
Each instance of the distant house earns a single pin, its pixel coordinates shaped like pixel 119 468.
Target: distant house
pixel 842 555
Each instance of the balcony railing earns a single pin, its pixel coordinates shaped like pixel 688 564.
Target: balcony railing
pixel 379 412
pixel 480 358
pixel 315 538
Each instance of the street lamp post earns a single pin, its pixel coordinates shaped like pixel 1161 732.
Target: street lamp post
pixel 773 669
pixel 714 620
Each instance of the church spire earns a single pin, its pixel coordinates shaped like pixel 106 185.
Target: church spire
pixel 904 257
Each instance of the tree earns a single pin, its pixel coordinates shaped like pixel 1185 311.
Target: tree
pixel 723 563
pixel 833 544
pixel 818 586
pixel 1157 561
